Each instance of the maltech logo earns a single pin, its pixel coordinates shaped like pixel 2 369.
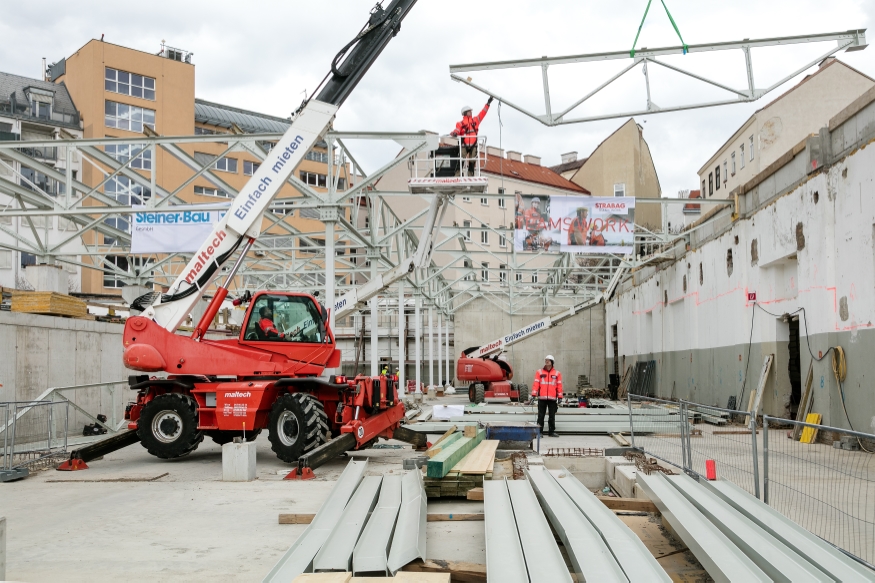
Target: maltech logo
pixel 204 257
pixel 238 395
pixel 489 347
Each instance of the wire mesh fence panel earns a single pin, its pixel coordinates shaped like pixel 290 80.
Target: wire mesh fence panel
pixel 659 433
pixel 32 430
pixel 830 491
pixel 720 435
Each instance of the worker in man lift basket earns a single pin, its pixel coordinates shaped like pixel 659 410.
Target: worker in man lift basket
pixel 547 388
pixel 467 130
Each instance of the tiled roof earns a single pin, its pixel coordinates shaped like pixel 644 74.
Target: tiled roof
pixel 530 173
pixel 15 84
pixel 565 167
pixel 691 207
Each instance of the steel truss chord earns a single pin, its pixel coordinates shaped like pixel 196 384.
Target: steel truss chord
pixel 852 40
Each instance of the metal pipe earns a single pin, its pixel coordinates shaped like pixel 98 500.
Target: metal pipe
pixel 631 424
pixel 756 459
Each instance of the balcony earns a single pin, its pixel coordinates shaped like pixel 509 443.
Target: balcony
pixel 41 153
pixel 23 111
pixel 9 137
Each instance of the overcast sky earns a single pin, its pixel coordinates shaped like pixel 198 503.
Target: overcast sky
pixel 264 55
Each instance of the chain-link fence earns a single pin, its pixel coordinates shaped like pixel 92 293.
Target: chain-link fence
pixel 825 485
pixel 827 489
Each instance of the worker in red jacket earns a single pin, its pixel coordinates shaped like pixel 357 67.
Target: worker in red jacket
pixel 268 329
pixel 467 131
pixel 547 388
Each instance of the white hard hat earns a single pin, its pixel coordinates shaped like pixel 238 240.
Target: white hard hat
pixel 466 108
pixel 550 358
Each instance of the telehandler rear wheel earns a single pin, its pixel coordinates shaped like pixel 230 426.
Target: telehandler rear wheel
pixel 479 393
pixel 297 424
pixel 168 426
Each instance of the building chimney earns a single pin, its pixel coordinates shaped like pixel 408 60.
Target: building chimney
pixel 45 71
pixel 516 156
pixel 494 152
pixel 569 157
pixel 536 160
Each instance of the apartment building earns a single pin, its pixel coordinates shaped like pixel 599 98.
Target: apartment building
pixel 125 93
pixel 35 109
pixel 621 166
pixel 776 128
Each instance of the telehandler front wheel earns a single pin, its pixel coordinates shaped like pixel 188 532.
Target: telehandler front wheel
pixel 168 426
pixel 297 424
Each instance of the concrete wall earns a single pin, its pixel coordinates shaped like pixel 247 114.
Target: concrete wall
pixel 577 343
pixel 40 352
pixel 804 242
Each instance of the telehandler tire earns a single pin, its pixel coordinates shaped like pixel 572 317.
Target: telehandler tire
pixel 524 393
pixel 479 393
pixel 297 424
pixel 168 426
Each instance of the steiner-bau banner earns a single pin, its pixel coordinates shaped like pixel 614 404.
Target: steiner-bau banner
pixel 575 224
pixel 182 230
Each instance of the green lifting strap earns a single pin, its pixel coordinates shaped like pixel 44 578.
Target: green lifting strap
pixel 683 44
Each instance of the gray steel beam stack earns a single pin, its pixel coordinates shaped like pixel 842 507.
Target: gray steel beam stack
pixel 408 543
pixel 336 553
pixel 372 551
pixel 739 538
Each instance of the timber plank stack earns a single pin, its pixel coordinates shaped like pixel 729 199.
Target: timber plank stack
pixel 48 303
pixel 460 465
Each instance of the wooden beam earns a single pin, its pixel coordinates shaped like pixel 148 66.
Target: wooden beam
pixel 442 463
pixel 448 439
pixel 459 571
pixel 475 494
pixel 480 460
pixel 629 504
pixel 460 517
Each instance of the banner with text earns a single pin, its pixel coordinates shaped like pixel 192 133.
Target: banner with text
pixel 182 230
pixel 575 224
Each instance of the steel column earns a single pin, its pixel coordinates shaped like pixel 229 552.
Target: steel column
pixel 402 329
pixel 375 325
pixel 329 271
pixel 418 321
pixel 430 346
pixel 449 359
pixel 440 368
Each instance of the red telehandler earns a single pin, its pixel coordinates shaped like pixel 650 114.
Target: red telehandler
pixel 236 388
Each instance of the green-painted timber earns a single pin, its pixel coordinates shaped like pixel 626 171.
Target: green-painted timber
pixel 439 447
pixel 440 465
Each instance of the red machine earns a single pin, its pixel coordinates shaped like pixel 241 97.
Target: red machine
pixel 489 377
pixel 257 382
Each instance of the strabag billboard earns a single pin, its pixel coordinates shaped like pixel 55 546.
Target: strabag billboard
pixel 575 224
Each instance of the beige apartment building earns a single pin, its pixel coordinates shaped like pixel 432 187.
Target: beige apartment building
pixel 486 222
pixel 126 93
pixel 779 126
pixel 620 166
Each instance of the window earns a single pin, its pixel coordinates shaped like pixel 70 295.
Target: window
pixel 467 265
pixel 484 201
pixel 733 163
pixel 467 233
pixel 620 189
pixel 484 272
pixel 41 109
pixel 31 178
pixel 208 191
pixel 484 234
pixel 129 84
pixel 710 183
pixel 128 193
pixel 750 147
pixel 703 188
pixel 27 259
pixel 199 131
pixel 317 156
pixel 128 117
pixel 502 241
pixel 249 168
pixel 742 155
pixel 126 264
pixel 502 274
pixel 138 155
pixel 502 203
pixel 277 318
pixel 519 276
pixel 717 177
pixel 313 179
pixel 466 199
pixel 5 259
pixel 226 165
pixel 725 171
pixel 4 220
pixel 535 277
